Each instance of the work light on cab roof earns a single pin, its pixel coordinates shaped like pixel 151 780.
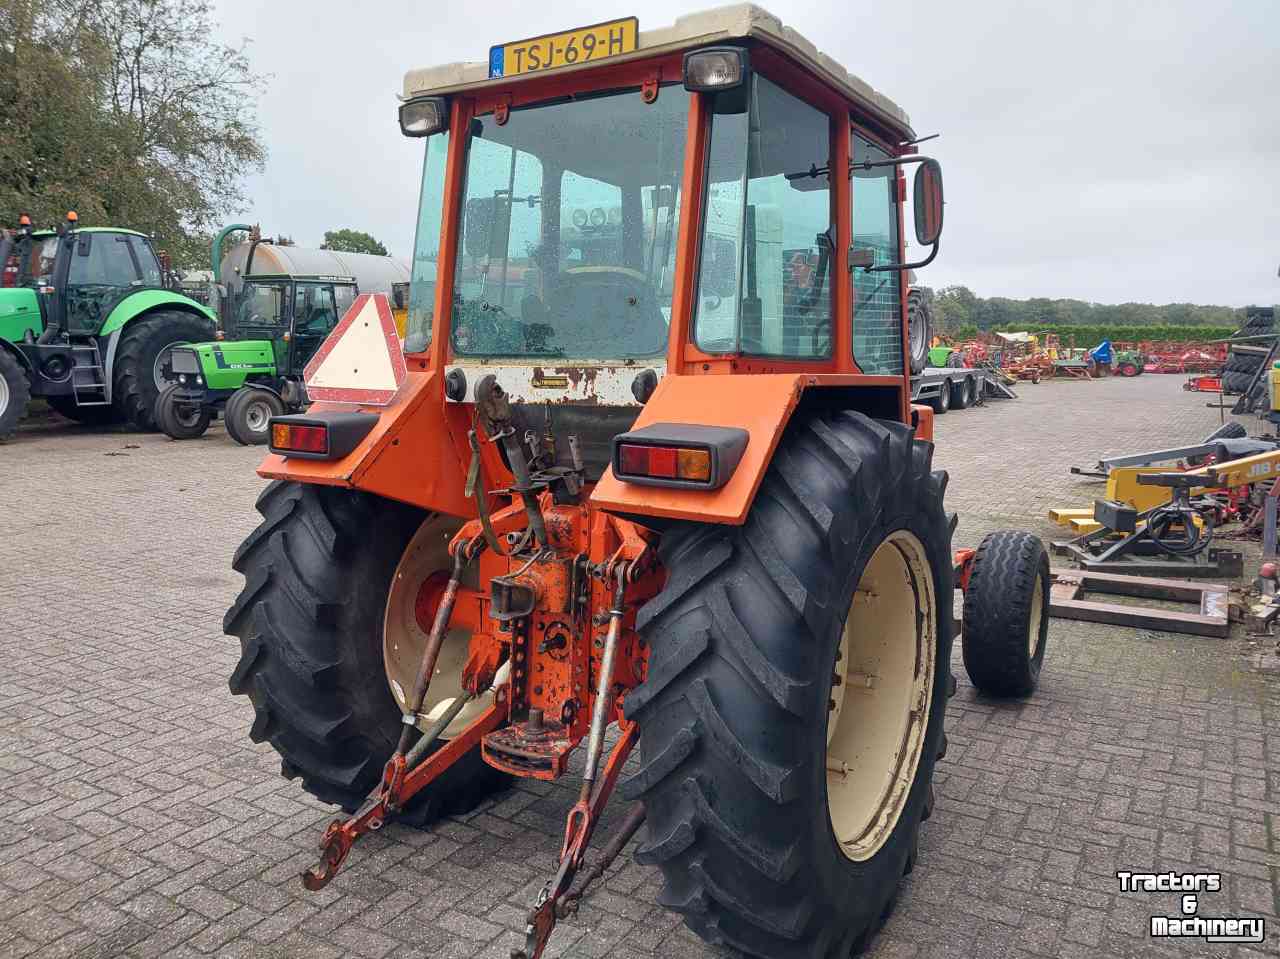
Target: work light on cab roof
pixel 653 462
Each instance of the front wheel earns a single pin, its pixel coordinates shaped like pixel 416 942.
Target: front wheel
pixel 792 711
pixel 1006 614
pixel 248 415
pixel 1129 369
pixel 15 393
pixel 179 419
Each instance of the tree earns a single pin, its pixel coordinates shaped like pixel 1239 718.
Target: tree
pixel 127 112
pixel 352 241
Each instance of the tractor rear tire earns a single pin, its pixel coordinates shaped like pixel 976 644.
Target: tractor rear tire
pixel 1006 614
pixel 142 345
pixel 919 330
pixel 738 713
pixel 248 414
pixel 15 393
pixel 180 421
pixel 85 415
pixel 317 571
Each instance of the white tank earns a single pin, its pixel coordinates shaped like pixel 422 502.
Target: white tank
pixel 373 274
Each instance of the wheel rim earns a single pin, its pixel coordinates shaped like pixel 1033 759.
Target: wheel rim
pixel 4 395
pixel 162 368
pixel 187 416
pixel 1037 617
pixel 416 588
pixel 257 414
pixel 879 711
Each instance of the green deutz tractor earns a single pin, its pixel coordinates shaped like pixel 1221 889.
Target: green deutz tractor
pixel 87 323
pixel 273 326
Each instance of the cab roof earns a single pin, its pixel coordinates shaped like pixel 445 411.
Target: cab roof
pixel 718 25
pixel 44 234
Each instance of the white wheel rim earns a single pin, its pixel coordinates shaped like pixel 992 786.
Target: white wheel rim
pixel 1037 617
pixel 403 637
pixel 161 380
pixel 4 395
pixel 879 711
pixel 256 416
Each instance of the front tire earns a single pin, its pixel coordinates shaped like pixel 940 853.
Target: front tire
pixel 739 724
pixel 181 420
pixel 144 345
pixel 318 571
pixel 1006 614
pixel 15 393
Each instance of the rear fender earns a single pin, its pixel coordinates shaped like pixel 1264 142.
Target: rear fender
pixel 146 301
pixel 410 455
pixel 761 404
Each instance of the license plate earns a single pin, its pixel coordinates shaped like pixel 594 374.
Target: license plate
pixel 584 45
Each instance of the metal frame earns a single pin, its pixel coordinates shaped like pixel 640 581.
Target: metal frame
pixel 1211 599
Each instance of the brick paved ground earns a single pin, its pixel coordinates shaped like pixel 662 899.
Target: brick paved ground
pixel 137 819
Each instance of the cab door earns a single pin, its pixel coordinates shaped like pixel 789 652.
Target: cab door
pixel 315 314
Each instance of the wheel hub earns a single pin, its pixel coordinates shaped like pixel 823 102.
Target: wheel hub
pixel 881 692
pixel 256 416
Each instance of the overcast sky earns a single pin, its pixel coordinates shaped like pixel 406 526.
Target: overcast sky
pixel 1102 150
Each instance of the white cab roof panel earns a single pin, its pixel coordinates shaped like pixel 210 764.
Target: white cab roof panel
pixel 722 24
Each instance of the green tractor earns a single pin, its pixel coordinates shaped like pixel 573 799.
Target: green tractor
pixel 87 323
pixel 274 326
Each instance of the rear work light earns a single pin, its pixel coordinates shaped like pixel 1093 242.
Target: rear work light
pixel 319 436
pixel 679 455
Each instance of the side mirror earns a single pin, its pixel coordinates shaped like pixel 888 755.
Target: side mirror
pixel 927 192
pixel 487 226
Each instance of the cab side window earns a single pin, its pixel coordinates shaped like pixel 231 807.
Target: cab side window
pixel 877 307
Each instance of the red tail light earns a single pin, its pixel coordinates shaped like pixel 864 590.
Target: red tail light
pixel 665 462
pixel 292 438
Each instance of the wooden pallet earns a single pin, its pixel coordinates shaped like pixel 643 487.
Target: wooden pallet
pixel 1211 599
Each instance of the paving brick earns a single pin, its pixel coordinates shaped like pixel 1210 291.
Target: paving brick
pixel 153 826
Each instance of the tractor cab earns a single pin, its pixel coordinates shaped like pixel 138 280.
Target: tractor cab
pixel 272 327
pixel 294 313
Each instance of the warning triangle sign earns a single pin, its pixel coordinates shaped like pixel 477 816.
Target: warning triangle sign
pixel 361 361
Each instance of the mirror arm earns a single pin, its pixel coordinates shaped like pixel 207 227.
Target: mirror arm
pixel 905 266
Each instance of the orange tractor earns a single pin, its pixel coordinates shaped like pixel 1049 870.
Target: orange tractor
pixel 644 472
